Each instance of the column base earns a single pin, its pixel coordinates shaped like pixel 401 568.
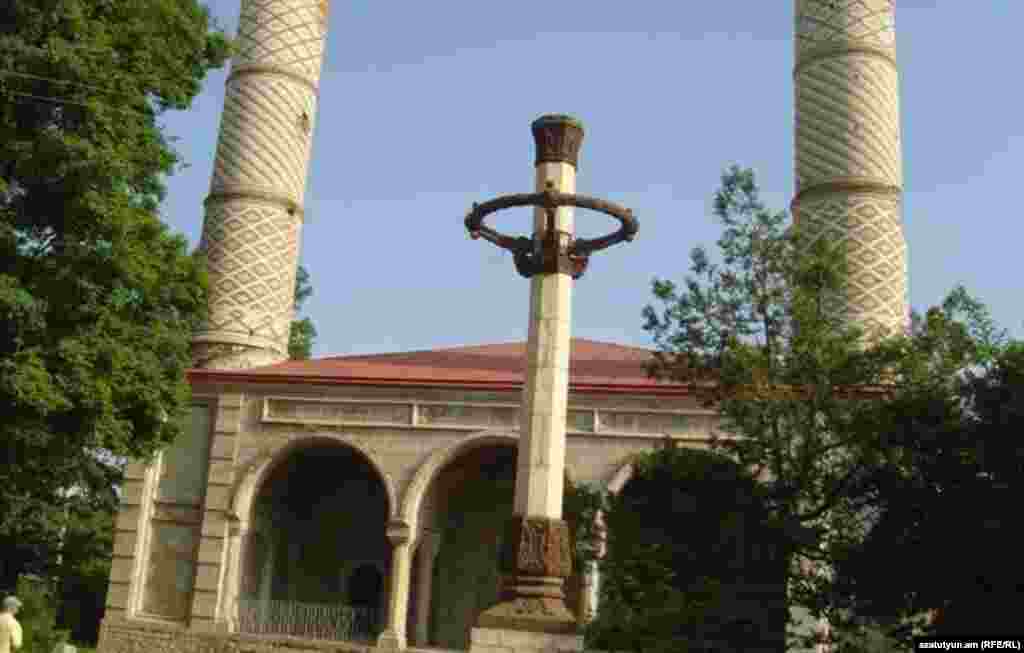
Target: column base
pixel 498 640
pixel 390 641
pixel 534 605
pixel 532 615
pixel 536 558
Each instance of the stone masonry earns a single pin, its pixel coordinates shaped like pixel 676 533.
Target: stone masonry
pixel 849 175
pixel 254 209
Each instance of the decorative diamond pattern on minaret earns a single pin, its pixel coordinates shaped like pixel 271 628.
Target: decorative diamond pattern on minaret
pixel 848 121
pixel 283 33
pixel 849 173
pixel 262 143
pixel 251 231
pixel 871 229
pixel 253 248
pixel 824 22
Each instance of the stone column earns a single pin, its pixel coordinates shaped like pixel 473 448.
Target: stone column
pixel 254 209
pixel 393 637
pixel 238 540
pixel 587 586
pixel 536 558
pixel 849 174
pixel 429 547
pixel 266 586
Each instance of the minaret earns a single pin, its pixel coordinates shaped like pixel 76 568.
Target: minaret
pixel 254 209
pixel 849 178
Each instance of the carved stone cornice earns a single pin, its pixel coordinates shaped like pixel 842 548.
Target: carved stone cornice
pixel 265 69
pixel 842 49
pixel 860 185
pixel 227 193
pixel 558 138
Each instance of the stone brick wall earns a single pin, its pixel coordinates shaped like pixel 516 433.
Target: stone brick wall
pixel 487 640
pixel 135 636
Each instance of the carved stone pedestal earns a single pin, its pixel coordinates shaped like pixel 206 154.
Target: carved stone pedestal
pixel 531 615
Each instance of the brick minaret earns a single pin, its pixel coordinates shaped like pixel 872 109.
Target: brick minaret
pixel 254 209
pixel 849 178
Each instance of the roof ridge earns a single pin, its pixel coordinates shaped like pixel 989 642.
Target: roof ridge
pixel 456 348
pixel 417 351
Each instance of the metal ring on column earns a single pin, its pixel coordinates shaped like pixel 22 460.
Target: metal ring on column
pixel 533 256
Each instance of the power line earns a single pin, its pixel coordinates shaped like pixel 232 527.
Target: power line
pixel 53 100
pixel 56 47
pixel 42 78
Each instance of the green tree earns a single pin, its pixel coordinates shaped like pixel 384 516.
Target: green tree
pixel 949 484
pixel 37 615
pixel 83 572
pixel 98 299
pixel 693 560
pixel 810 402
pixel 303 333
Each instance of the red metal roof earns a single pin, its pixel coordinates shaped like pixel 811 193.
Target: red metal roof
pixel 594 366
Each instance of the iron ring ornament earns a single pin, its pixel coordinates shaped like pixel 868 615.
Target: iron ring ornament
pixel 553 251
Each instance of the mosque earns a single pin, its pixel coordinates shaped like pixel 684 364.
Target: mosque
pixel 359 499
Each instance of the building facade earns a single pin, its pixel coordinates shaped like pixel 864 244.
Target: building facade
pixel 298 482
pixel 377 482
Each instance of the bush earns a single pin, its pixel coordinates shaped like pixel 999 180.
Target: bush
pixel 38 615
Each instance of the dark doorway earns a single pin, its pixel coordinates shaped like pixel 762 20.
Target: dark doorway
pixel 322 510
pixel 365 587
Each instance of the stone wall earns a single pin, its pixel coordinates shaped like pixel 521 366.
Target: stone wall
pixel 119 635
pixel 248 438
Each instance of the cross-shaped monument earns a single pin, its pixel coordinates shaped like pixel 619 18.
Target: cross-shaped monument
pixel 536 555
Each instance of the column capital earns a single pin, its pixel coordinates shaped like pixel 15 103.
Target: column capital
pixel 399 532
pixel 237 525
pixel 558 138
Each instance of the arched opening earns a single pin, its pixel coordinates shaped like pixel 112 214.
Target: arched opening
pixel 317 547
pixel 474 495
pixel 365 586
pixel 466 505
pixel 366 594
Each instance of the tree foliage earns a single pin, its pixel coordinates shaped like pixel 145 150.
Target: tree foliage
pixel 98 299
pixel 694 562
pixel 954 468
pixel 38 615
pixel 839 422
pixel 303 333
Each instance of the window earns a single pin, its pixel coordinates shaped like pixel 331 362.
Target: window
pixel 620 422
pixel 580 420
pixel 184 463
pixel 174 534
pixel 171 571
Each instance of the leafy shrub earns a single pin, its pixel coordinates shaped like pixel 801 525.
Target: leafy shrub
pixel 38 615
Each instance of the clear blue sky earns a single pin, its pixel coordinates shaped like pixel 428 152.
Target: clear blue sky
pixel 425 108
